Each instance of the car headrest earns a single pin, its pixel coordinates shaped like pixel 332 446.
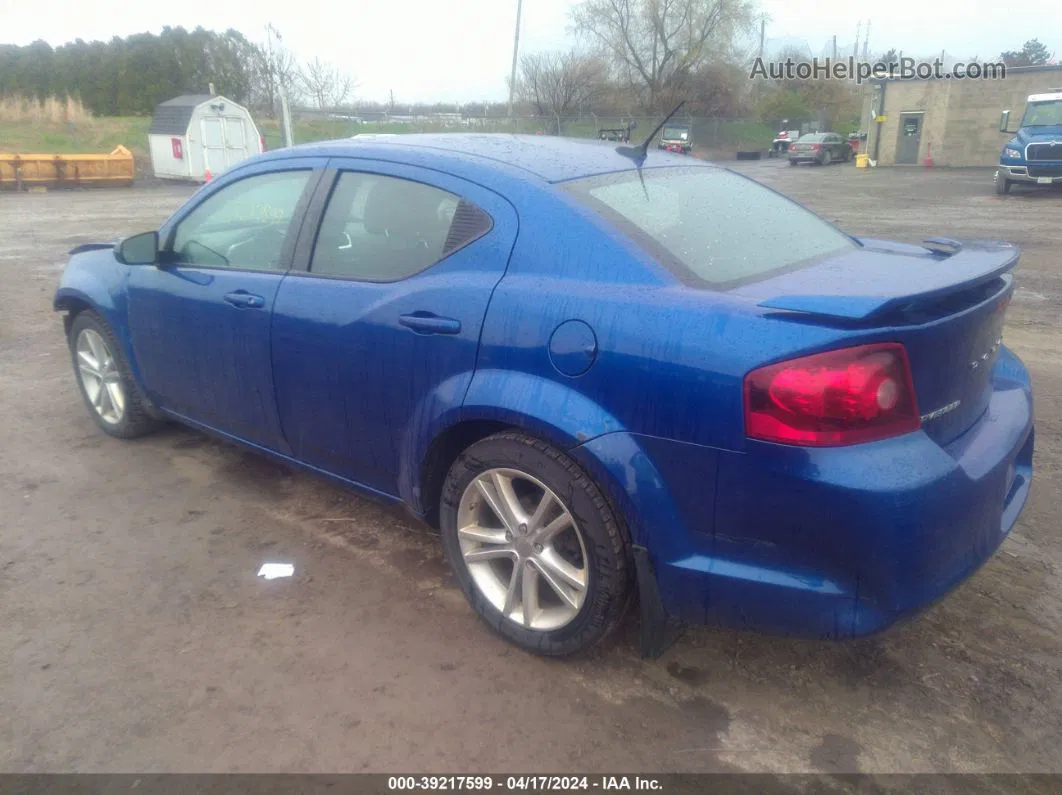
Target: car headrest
pixel 392 206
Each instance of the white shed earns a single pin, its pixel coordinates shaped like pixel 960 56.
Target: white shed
pixel 196 133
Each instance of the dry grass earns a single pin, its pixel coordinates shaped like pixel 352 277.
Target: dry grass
pixel 55 110
pixel 100 135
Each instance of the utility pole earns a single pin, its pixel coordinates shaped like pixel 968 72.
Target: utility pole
pixel 763 36
pixel 282 90
pixel 271 75
pixel 285 117
pixel 855 49
pixel 516 54
pixel 834 46
pixel 866 40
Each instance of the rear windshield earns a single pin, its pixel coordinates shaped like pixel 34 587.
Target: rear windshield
pixel 813 137
pixel 710 225
pixel 675 133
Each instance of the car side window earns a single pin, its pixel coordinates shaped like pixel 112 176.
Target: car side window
pixel 384 229
pixel 243 225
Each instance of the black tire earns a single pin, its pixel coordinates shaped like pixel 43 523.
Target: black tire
pixel 1002 184
pixel 608 559
pixel 826 158
pixel 847 155
pixel 136 419
pixel 792 162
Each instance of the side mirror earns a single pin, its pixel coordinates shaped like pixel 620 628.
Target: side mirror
pixel 142 249
pixel 1004 121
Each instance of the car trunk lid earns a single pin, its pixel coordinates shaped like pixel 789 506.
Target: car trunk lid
pixel 944 301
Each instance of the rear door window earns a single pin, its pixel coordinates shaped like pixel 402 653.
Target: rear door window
pixel 383 229
pixel 711 226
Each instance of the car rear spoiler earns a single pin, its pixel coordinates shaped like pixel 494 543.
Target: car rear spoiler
pixel 951 268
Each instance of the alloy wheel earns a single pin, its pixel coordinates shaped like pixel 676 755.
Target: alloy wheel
pixel 100 377
pixel 523 549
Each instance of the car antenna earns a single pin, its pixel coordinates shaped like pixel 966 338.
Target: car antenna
pixel 641 151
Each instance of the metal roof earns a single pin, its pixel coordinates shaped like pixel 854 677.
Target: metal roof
pixel 172 116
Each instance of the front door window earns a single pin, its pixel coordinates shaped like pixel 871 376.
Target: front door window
pixel 242 226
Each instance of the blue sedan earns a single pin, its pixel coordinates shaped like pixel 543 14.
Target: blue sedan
pixel 597 372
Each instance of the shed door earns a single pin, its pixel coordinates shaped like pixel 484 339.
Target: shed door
pixel 214 155
pixel 910 137
pixel 235 140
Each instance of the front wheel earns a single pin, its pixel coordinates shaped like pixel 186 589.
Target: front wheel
pixel 534 545
pixel 104 380
pixel 1002 184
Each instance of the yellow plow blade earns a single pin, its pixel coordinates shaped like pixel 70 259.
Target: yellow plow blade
pixel 66 171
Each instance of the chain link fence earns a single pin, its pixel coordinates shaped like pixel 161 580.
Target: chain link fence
pixel 708 133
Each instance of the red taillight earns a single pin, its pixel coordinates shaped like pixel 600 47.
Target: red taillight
pixel 848 396
pixel 815 147
pixel 792 147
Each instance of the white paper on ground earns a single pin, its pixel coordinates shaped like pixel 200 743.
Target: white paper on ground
pixel 272 571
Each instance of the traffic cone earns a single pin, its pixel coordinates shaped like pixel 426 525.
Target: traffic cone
pixel 927 161
pixel 209 176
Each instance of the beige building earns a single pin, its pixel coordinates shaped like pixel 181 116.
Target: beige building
pixel 955 120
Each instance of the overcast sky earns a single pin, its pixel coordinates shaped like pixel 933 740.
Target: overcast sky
pixel 461 50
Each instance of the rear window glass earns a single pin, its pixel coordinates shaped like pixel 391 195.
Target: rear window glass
pixel 813 137
pixel 710 225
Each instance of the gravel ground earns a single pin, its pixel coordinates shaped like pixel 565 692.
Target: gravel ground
pixel 137 637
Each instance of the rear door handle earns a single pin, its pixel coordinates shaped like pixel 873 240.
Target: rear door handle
pixel 244 299
pixel 427 323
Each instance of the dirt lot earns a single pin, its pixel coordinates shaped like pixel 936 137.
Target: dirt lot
pixel 137 637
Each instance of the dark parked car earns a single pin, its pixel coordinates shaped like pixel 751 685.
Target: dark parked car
pixel 821 148
pixel 598 376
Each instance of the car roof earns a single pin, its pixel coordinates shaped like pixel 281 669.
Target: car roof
pixel 547 157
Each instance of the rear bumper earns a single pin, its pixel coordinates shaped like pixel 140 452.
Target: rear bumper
pixel 833 542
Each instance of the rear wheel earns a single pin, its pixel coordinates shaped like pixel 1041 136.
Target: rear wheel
pixel 827 158
pixel 534 545
pixel 1002 183
pixel 104 380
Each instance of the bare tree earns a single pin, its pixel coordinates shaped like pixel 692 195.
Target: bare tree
pixel 828 102
pixel 327 85
pixel 656 45
pixel 557 83
pixel 274 67
pixel 717 89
